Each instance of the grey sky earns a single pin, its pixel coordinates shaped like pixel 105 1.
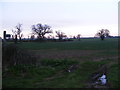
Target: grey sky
pixel 71 16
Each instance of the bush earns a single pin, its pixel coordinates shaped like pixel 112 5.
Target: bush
pixel 12 55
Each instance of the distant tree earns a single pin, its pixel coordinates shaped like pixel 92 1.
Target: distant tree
pixel 103 33
pixel 74 37
pixel 78 36
pixel 32 37
pixel 60 35
pixel 41 30
pixel 17 32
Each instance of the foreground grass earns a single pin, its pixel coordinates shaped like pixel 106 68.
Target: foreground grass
pixel 53 74
pixel 113 75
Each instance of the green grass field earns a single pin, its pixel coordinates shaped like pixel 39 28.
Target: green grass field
pixel 54 59
pixel 84 44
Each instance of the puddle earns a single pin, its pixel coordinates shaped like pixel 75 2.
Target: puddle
pixel 98 79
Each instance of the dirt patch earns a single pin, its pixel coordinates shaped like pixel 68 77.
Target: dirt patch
pixel 72 54
pixel 63 54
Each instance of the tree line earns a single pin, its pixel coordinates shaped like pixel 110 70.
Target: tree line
pixel 40 30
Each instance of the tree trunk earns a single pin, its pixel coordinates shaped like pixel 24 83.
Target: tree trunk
pixel 102 37
pixel 15 38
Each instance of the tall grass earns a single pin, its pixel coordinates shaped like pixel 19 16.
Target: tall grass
pixel 50 75
pixel 13 55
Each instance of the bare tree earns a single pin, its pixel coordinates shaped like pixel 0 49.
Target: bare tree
pixel 50 37
pixel 60 35
pixel 14 36
pixel 74 37
pixel 103 33
pixel 78 36
pixel 32 37
pixel 40 30
pixel 17 32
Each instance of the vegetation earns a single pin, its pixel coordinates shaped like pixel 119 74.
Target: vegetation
pixel 60 35
pixel 113 75
pixel 40 30
pixel 50 75
pixel 103 33
pixel 84 44
pixel 78 37
pixel 13 55
pixel 52 71
pixel 17 32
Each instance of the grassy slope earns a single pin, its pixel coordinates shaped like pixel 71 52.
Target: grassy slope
pixel 51 75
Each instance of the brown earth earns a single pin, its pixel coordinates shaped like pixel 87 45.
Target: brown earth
pixel 62 54
pixel 71 54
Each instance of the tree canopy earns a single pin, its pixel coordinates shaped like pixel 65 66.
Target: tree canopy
pixel 40 30
pixel 103 33
pixel 60 35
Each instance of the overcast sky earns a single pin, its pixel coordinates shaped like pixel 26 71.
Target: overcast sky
pixel 73 17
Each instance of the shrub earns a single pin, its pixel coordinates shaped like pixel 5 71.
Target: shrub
pixel 12 55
